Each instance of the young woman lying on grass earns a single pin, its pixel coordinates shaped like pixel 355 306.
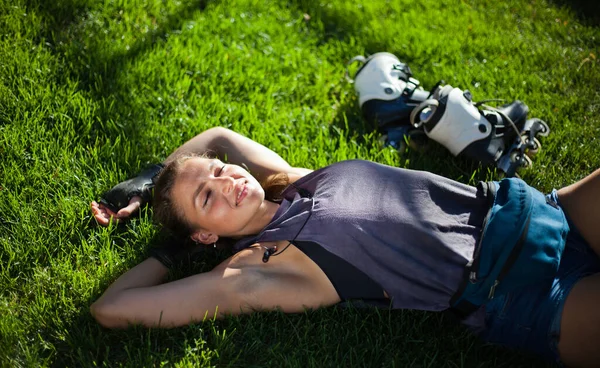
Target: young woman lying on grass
pixel 354 230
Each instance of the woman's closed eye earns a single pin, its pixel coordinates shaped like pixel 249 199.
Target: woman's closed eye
pixel 209 192
pixel 220 171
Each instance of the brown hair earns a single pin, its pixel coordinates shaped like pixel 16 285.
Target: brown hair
pixel 170 217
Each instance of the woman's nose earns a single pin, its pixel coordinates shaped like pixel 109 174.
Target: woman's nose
pixel 226 184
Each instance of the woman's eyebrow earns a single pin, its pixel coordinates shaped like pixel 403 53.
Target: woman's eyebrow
pixel 201 186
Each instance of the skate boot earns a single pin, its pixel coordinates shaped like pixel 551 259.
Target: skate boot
pixel 499 136
pixel 387 93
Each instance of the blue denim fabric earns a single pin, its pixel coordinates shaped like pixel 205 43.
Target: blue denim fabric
pixel 530 318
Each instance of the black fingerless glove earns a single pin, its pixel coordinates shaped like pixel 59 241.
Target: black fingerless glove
pixel 120 195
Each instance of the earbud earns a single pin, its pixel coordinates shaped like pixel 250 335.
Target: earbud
pixel 268 253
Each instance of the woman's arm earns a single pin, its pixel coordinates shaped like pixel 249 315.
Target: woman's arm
pixel 148 273
pixel 238 150
pixel 138 297
pixel 228 146
pixel 241 284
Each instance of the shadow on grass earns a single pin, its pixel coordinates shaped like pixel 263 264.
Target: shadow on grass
pixel 366 337
pixel 335 337
pixel 99 75
pixel 587 11
pixel 342 27
pixel 58 15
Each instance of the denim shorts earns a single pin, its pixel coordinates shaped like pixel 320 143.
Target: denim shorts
pixel 530 318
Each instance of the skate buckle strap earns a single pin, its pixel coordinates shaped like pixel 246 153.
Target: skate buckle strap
pixel 358 58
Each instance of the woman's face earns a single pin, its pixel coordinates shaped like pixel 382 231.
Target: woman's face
pixel 218 199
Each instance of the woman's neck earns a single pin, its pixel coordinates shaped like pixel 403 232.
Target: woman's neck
pixel 262 218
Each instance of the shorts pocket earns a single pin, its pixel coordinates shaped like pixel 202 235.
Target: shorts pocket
pixel 508 321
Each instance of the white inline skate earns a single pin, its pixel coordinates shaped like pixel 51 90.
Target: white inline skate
pixel 387 93
pixel 500 136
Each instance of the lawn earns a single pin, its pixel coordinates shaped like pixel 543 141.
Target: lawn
pixel 93 91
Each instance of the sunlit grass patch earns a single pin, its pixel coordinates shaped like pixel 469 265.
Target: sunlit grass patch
pixel 93 91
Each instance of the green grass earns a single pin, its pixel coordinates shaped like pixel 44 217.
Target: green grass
pixel 92 91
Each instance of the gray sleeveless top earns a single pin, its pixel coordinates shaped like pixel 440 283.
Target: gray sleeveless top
pixel 410 231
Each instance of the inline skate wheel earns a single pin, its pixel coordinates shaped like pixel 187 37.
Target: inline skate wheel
pixel 522 160
pixel 537 146
pixel 399 145
pixel 545 128
pixel 417 140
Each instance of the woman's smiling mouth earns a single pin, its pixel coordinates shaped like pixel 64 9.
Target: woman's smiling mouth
pixel 243 191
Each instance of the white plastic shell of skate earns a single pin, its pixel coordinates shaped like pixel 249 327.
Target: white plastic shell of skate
pixel 450 119
pixel 382 77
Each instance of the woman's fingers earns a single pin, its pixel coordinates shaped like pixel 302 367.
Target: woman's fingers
pixel 104 215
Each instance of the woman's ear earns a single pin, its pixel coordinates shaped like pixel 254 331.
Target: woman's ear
pixel 204 237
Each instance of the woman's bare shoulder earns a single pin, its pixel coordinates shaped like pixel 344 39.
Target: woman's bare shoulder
pixel 289 280
pixel 297 173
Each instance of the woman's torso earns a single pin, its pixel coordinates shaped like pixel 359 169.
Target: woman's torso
pixel 410 232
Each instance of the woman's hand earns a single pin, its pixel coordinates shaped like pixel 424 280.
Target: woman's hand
pixel 104 215
pixel 122 200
